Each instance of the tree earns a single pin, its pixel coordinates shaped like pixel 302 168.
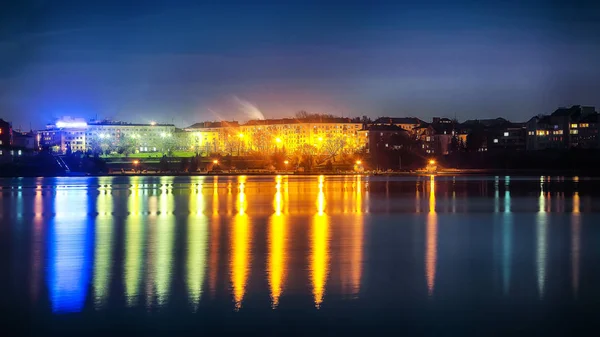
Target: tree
pixel 333 146
pixel 167 144
pixel 126 145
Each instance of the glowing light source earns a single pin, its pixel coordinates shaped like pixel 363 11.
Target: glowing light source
pixel 241 135
pixel 431 162
pixel 358 162
pixel 431 241
pixel 135 162
pixel 153 123
pixel 71 125
pixel 215 162
pixel 278 140
pixel 286 162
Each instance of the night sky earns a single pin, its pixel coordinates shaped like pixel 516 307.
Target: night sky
pixel 188 61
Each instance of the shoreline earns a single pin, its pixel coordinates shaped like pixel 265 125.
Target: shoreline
pixel 466 172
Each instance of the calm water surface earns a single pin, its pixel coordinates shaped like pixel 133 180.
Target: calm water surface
pixel 300 255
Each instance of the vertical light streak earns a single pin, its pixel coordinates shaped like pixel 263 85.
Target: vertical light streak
pixel 575 243
pixel 431 240
pixel 277 247
pixel 134 247
pixel 103 247
pixel 197 247
pixel 240 247
pixel 319 261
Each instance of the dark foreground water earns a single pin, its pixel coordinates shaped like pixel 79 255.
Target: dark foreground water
pixel 300 256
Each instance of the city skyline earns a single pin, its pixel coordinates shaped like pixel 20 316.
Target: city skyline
pixel 190 62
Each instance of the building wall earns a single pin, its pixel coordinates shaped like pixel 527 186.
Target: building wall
pixel 266 136
pixel 5 134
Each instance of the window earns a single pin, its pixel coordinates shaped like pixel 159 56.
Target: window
pixel 496 140
pixel 573 126
pixel 584 125
pixel 574 132
pixel 506 134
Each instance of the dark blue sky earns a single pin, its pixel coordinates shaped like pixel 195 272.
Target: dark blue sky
pixel 191 61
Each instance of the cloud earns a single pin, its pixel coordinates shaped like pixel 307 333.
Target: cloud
pixel 250 110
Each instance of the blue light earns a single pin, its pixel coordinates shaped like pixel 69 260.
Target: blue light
pixel 69 252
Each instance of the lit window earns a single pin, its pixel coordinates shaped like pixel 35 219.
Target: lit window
pixel 506 134
pixel 573 126
pixel 428 139
pixel 584 125
pixel 496 140
pixel 574 132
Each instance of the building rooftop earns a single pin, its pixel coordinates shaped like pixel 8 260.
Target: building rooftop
pixel 398 120
pixel 206 125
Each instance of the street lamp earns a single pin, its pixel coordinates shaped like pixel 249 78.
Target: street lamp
pixel 286 162
pixel 358 162
pixel 216 162
pixel 278 140
pixel 241 135
pixel 431 162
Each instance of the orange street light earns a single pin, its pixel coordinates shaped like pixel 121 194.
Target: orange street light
pixel 215 162
pixel 135 162
pixel 286 162
pixel 278 140
pixel 241 135
pixel 358 162
pixel 320 139
pixel 431 162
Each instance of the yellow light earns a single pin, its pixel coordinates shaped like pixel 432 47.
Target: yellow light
pixel 240 248
pixel 103 249
pixel 241 135
pixel 277 248
pixel 215 162
pixel 431 162
pixel 320 139
pixel 286 162
pixel 135 162
pixel 197 250
pixel 278 140
pixel 431 240
pixel 358 162
pixel 153 123
pixel 319 259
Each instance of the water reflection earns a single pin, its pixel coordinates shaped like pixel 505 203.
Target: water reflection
pixel 165 228
pixel 155 242
pixel 575 243
pixel 134 245
pixel 240 246
pixel 103 245
pixel 214 238
pixel 352 252
pixel 277 247
pixel 197 246
pixel 431 240
pixel 541 244
pixel 319 259
pixel 37 244
pixel 69 252
pixel 507 237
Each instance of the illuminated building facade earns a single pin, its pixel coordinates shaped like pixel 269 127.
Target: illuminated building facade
pixel 79 135
pixel 64 134
pixel 563 129
pixel 276 134
pixel 143 137
pixel 5 139
pixel 213 137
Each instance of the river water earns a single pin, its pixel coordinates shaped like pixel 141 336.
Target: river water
pixel 300 255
